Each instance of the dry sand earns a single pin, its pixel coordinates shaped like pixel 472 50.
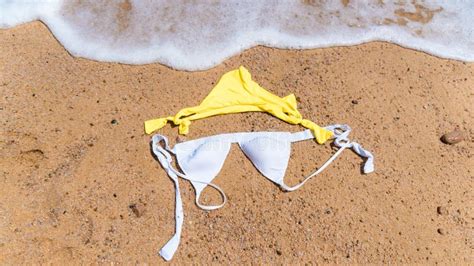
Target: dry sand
pixel 68 175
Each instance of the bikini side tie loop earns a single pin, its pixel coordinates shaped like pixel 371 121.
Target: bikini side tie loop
pixel 342 139
pixel 321 134
pixel 183 128
pixel 155 124
pixel 341 134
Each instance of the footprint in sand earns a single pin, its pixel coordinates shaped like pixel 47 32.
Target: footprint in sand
pixel 20 149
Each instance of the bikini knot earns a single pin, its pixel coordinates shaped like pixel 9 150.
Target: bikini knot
pixel 321 134
pixel 154 124
pixel 184 126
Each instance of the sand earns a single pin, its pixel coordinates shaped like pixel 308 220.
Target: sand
pixel 69 174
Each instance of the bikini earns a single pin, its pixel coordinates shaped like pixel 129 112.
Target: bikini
pixel 202 159
pixel 236 92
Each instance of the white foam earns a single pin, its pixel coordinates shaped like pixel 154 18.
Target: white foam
pixel 196 35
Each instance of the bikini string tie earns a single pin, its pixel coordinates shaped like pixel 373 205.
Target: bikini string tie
pixel 341 135
pixel 341 140
pixel 163 154
pixel 164 157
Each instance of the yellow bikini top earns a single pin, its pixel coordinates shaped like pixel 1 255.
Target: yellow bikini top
pixel 236 92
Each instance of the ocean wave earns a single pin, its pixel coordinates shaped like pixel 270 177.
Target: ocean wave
pixel 197 35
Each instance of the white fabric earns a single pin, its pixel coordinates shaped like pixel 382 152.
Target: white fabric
pixel 341 133
pixel 202 159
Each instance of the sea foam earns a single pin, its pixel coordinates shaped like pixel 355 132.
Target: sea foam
pixel 196 35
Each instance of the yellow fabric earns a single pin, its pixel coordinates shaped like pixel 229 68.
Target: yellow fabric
pixel 236 92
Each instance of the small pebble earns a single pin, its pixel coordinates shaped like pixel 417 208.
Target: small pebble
pixel 441 210
pixel 137 209
pixel 453 137
pixel 441 231
pixel 355 102
pixel 114 122
pixel 279 252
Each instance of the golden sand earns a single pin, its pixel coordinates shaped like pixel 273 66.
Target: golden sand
pixel 77 188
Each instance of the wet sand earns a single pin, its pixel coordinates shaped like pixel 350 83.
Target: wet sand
pixel 74 159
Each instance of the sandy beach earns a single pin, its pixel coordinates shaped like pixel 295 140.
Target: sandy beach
pixel 79 184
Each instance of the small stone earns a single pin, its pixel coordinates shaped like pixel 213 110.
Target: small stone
pixel 441 210
pixel 441 231
pixel 137 209
pixel 453 137
pixel 355 102
pixel 114 122
pixel 278 252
